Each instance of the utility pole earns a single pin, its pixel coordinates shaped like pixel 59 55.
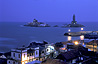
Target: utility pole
pixel 21 55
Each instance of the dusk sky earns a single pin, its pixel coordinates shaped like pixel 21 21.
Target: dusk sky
pixel 48 10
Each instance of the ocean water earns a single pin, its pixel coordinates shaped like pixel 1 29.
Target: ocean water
pixel 14 34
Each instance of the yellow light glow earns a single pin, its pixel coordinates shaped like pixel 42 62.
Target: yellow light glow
pixel 63 48
pixel 69 38
pixel 83 43
pixel 81 28
pixel 76 43
pixel 82 37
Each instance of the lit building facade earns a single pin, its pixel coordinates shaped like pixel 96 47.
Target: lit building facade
pixel 23 55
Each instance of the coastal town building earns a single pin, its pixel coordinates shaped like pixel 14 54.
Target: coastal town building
pixel 92 45
pixel 23 55
pixel 80 56
pixel 42 53
pixel 33 52
pixel 53 61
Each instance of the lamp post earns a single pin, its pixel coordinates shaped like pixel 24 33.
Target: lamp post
pixel 21 55
pixel 82 38
pixel 69 38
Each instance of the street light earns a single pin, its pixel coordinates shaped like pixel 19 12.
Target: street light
pixel 69 38
pixel 76 42
pixel 81 28
pixel 69 30
pixel 82 37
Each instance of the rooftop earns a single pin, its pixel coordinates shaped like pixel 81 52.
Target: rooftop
pixel 53 61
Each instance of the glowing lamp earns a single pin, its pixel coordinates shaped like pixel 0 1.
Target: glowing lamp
pixel 63 48
pixel 81 28
pixel 69 30
pixel 83 43
pixel 69 38
pixel 76 43
pixel 82 37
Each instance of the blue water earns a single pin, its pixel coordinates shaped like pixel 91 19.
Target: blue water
pixel 13 34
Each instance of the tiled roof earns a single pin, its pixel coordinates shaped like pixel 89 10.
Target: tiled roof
pixel 68 55
pixel 89 61
pixel 7 54
pixel 34 44
pixel 30 51
pixel 53 61
pixel 91 42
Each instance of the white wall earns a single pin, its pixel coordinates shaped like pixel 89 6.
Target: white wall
pixel 37 50
pixel 11 62
pixel 16 56
pixel 24 58
pixel 37 55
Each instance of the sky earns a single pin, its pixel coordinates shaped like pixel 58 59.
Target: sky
pixel 48 10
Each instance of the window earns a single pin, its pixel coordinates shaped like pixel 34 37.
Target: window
pixel 42 51
pixel 36 52
pixel 13 62
pixel 31 54
pixel 19 55
pixel 24 55
pixel 14 54
pixel 19 63
pixel 28 54
pixel 9 61
pixel 47 50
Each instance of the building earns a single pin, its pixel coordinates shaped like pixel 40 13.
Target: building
pixel 92 45
pixel 53 61
pixel 23 55
pixel 74 21
pixel 69 56
pixel 4 56
pixel 81 55
pixel 35 51
pixel 46 52
pixel 3 61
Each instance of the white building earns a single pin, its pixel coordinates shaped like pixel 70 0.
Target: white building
pixel 46 51
pixel 23 55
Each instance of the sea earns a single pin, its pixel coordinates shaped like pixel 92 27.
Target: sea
pixel 14 34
